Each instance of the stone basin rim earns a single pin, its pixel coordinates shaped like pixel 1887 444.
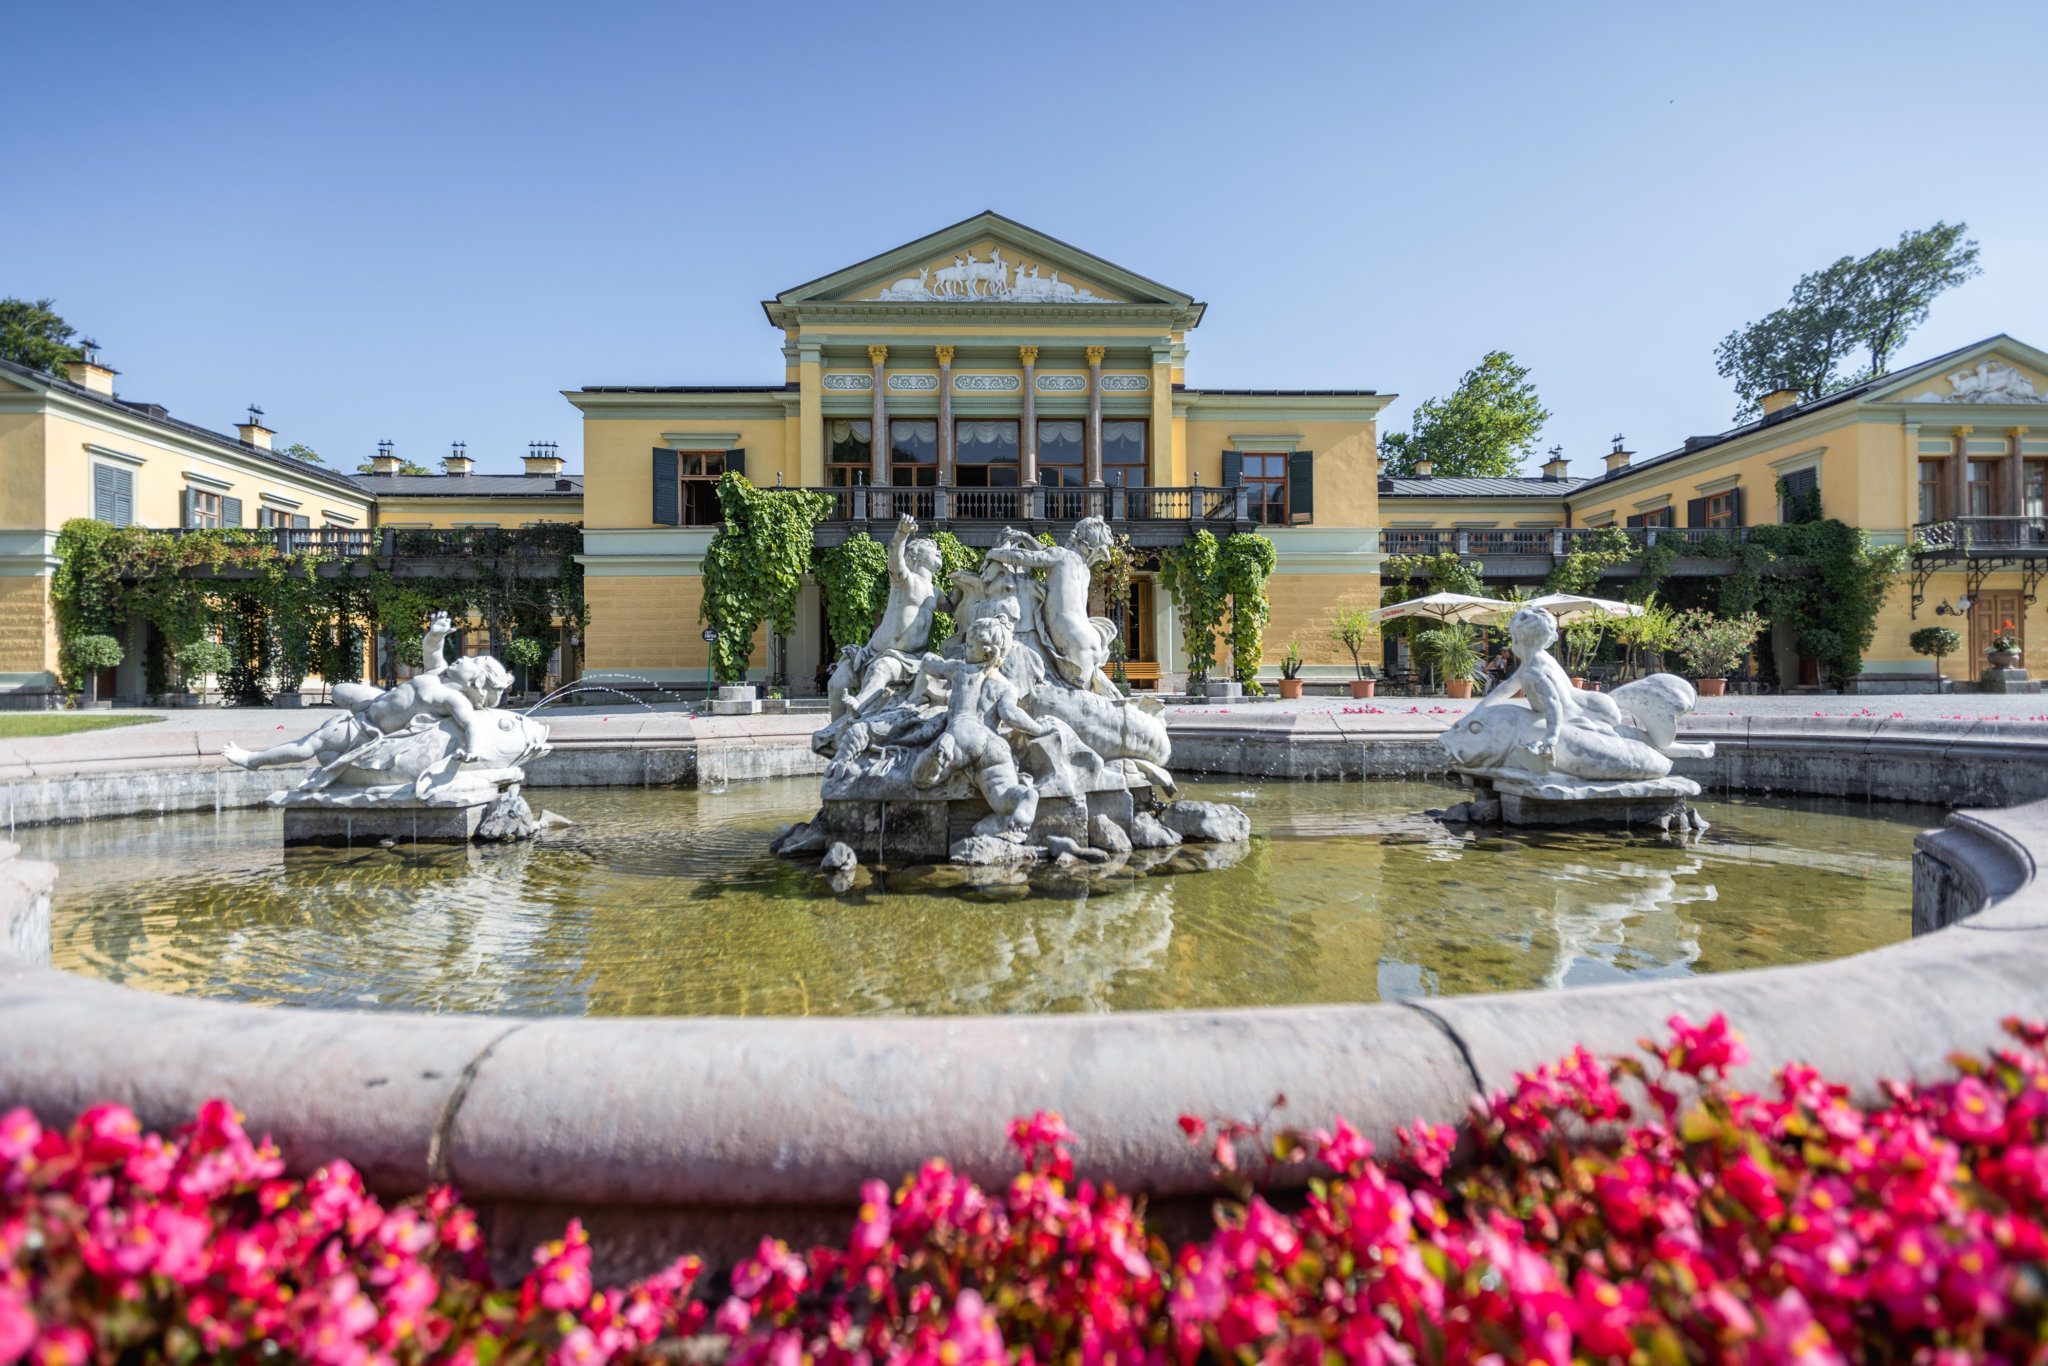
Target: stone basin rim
pixel 685 1132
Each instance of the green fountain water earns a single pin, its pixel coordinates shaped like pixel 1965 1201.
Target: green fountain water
pixel 666 902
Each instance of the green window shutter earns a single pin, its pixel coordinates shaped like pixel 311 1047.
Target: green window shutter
pixel 230 512
pixel 1735 504
pixel 1301 486
pixel 113 495
pixel 736 460
pixel 300 522
pixel 668 493
pixel 1695 512
pixel 185 508
pixel 1233 469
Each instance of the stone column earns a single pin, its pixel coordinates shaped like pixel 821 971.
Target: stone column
pixel 878 442
pixel 2015 472
pixel 1959 477
pixel 1027 436
pixel 1091 458
pixel 945 355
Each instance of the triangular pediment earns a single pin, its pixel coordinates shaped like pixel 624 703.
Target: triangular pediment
pixel 987 260
pixel 1996 371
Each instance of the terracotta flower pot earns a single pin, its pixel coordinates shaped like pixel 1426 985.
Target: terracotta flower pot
pixel 1290 687
pixel 1458 687
pixel 1579 683
pixel 1711 687
pixel 1362 687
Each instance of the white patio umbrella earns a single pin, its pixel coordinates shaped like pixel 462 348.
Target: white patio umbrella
pixel 1565 606
pixel 1443 607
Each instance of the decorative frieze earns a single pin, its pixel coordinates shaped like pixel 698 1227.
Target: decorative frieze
pixel 986 384
pixel 913 384
pixel 1062 384
pixel 1126 384
pixel 861 383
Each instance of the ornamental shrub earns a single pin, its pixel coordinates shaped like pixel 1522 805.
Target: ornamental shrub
pixel 85 656
pixel 1634 1209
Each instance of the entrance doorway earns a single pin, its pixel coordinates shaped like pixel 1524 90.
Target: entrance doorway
pixel 1989 611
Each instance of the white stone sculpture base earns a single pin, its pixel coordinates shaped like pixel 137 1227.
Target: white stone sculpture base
pixel 737 700
pixel 1527 799
pixel 404 823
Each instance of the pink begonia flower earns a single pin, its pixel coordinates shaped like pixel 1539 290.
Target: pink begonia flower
pixel 19 1135
pixel 65 1345
pixel 1976 1113
pixel 17 1324
pixel 107 1134
pixel 1695 1048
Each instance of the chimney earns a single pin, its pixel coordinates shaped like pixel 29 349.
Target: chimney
pixel 1553 468
pixel 457 461
pixel 89 373
pixel 386 460
pixel 1425 468
pixel 253 432
pixel 1618 458
pixel 1779 399
pixel 543 460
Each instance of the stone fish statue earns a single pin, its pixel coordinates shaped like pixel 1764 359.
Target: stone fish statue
pixel 438 739
pixel 1542 741
pixel 1011 743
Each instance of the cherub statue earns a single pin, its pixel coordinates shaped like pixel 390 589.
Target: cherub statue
pixel 439 691
pixel 1079 644
pixel 979 700
pixel 1626 736
pixel 890 658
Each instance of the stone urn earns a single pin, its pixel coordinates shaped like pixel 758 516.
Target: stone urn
pixel 1363 687
pixel 1711 687
pixel 2002 659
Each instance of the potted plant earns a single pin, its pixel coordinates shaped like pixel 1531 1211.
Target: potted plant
pixel 199 660
pixel 1713 647
pixel 1290 670
pixel 2004 650
pixel 527 653
pixel 1352 626
pixel 1583 635
pixel 84 658
pixel 1935 641
pixel 1454 648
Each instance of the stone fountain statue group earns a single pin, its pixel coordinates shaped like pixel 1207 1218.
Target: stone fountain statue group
pixel 433 759
pixel 1008 745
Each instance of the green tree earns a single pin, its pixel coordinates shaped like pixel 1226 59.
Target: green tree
pixel 1899 284
pixel 32 334
pixel 1868 304
pixel 299 451
pixel 1485 427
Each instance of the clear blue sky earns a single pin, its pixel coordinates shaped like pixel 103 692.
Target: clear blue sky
pixel 424 221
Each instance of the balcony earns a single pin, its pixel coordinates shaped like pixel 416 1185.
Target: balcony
pixel 1151 517
pixel 1534 551
pixel 1979 547
pixel 525 552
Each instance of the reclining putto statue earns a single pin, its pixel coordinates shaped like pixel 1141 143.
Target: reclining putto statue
pixel 1009 739
pixel 1537 738
pixel 438 739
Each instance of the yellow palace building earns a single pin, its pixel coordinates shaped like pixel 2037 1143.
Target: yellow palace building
pixel 988 376
pixel 981 377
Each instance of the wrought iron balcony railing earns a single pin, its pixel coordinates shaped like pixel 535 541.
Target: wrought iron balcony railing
pixel 1555 542
pixel 1116 503
pixel 1982 536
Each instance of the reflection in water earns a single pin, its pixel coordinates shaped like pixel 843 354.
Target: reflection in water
pixel 663 901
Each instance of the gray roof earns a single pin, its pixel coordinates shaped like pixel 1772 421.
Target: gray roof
pixel 470 485
pixel 155 416
pixel 1479 487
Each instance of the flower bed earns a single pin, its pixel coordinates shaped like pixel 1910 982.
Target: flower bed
pixel 1634 1208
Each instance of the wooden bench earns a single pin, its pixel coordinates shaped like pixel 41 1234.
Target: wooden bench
pixel 1141 673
